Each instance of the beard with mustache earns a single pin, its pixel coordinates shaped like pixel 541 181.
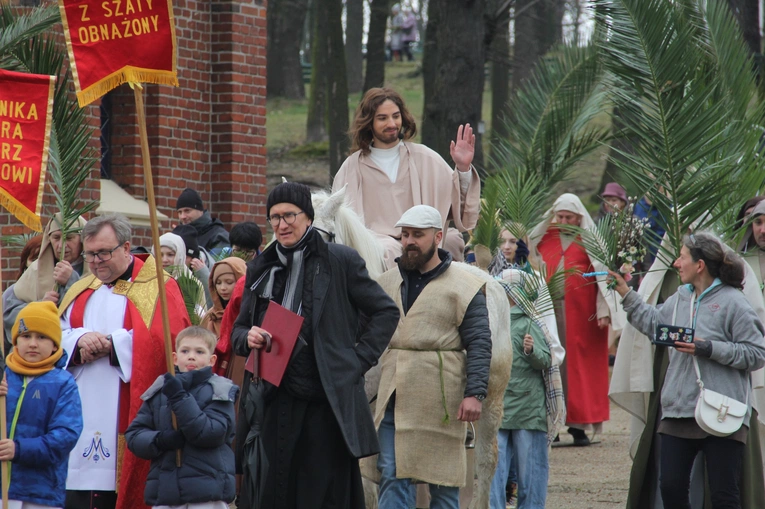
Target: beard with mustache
pixel 410 261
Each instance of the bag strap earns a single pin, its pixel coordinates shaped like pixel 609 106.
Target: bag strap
pixel 696 363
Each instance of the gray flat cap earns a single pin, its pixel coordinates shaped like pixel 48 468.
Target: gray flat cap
pixel 421 216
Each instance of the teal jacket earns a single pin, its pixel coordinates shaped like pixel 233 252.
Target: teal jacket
pixel 525 394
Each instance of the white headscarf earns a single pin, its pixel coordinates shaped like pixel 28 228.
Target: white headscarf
pixel 174 242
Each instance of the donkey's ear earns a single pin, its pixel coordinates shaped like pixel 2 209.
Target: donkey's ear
pixel 330 207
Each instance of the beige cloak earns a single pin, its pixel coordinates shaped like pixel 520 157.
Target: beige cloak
pixel 425 367
pixel 423 178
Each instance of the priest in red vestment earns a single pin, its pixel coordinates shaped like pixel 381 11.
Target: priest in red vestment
pixel 584 317
pixel 112 332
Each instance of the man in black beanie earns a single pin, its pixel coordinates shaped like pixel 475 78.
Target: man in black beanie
pixel 317 423
pixel 211 234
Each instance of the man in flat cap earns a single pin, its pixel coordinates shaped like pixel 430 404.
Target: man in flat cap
pixel 435 373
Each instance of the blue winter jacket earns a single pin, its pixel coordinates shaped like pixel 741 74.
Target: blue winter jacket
pixel 205 416
pixel 47 428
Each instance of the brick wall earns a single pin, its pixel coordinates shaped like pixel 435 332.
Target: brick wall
pixel 209 133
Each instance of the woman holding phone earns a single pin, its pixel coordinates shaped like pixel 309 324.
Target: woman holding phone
pixel 728 345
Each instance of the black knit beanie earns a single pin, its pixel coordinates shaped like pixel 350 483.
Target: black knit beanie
pixel 191 199
pixel 294 193
pixel 189 235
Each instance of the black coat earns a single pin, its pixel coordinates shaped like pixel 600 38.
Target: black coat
pixel 344 349
pixel 211 234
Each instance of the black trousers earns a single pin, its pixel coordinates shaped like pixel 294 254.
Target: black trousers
pixel 309 465
pixel 723 464
pixel 90 499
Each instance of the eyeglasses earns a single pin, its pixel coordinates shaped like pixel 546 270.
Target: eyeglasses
pixel 104 256
pixel 693 239
pixel 288 218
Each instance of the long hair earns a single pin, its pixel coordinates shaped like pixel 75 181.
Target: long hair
pixel 31 250
pixel 361 129
pixel 721 262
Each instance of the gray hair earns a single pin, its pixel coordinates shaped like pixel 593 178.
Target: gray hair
pixel 119 223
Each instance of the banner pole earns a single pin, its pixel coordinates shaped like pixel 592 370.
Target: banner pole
pixel 138 92
pixel 3 419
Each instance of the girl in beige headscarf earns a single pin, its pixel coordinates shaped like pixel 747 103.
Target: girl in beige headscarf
pixel 48 278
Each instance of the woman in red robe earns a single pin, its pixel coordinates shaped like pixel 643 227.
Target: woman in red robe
pixel 583 317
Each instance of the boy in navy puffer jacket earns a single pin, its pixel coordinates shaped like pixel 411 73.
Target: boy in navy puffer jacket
pixel 44 410
pixel 204 407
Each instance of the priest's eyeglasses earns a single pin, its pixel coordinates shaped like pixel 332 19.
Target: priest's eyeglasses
pixel 104 256
pixel 288 218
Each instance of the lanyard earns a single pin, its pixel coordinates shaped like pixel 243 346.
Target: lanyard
pixel 16 419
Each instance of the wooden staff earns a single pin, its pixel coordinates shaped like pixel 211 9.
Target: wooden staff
pixel 3 425
pixel 138 92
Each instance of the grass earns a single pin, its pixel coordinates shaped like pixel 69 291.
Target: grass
pixel 286 126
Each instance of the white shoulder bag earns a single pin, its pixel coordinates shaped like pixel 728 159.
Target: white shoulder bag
pixel 716 413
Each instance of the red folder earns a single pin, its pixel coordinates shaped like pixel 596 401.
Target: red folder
pixel 284 327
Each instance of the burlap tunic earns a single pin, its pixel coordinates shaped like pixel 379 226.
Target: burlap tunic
pixel 426 347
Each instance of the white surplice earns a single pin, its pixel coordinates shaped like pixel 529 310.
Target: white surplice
pixel 93 461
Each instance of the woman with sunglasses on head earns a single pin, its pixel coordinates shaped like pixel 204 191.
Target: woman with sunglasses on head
pixel 728 344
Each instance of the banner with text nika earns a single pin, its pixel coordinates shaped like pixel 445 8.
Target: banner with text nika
pixel 26 116
pixel 111 42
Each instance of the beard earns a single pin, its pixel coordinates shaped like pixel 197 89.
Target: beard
pixel 386 137
pixel 413 258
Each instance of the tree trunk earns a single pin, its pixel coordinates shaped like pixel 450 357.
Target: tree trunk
pixel 316 129
pixel 620 145
pixel 429 52
pixel 459 75
pixel 354 33
pixel 337 86
pixel 499 56
pixel 285 28
pixel 378 22
pixel 747 13
pixel 538 25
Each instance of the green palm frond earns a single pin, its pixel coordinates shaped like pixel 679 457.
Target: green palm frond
pixel 525 198
pixel 17 242
pixel 487 230
pixel 192 291
pixel 550 126
pixel 71 160
pixel 17 27
pixel 550 130
pixel 665 61
pixel 538 295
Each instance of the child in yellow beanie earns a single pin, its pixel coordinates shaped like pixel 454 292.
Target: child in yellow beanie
pixel 45 404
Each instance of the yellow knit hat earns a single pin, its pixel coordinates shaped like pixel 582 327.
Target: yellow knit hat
pixel 40 317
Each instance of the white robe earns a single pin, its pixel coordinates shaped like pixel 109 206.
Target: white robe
pixel 93 461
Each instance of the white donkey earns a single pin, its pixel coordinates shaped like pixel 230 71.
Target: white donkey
pixel 340 222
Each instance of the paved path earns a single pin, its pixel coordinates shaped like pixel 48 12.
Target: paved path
pixel 594 477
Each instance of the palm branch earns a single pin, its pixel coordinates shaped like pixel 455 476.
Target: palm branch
pixel 550 130
pixel 17 242
pixel 191 291
pixel 71 160
pixel 537 295
pixel 666 62
pixel 487 229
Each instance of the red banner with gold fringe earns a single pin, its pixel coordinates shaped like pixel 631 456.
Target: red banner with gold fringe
pixel 111 42
pixel 26 116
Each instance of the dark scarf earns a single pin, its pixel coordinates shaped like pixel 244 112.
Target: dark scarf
pixel 291 258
